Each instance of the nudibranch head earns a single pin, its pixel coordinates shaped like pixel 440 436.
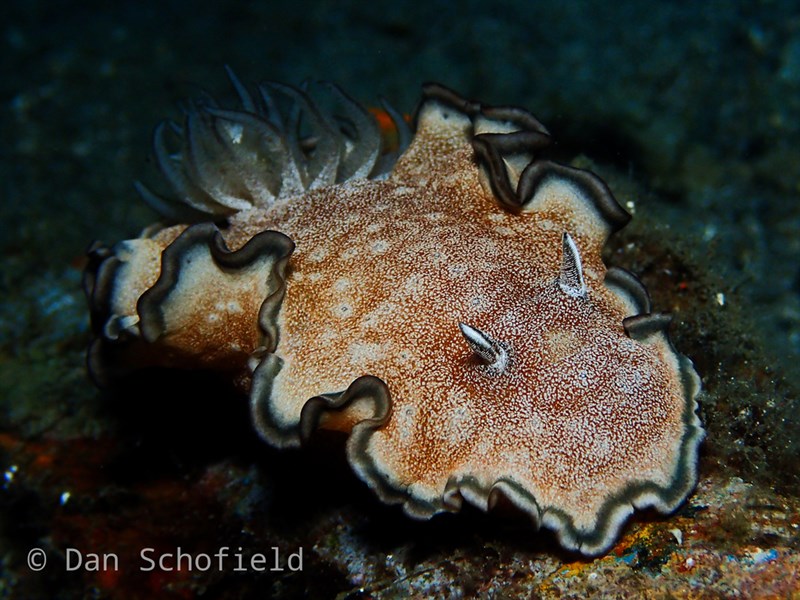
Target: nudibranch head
pixel 452 314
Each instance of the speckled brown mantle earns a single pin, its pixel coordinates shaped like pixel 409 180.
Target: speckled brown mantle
pixel 346 306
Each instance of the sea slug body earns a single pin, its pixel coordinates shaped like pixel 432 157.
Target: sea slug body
pixel 444 303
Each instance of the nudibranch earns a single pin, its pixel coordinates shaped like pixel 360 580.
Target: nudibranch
pixel 444 303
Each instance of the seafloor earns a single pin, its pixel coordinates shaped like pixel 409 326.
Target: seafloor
pixel 691 111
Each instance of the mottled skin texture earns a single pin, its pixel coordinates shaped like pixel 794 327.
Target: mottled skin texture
pixel 380 278
pixel 582 421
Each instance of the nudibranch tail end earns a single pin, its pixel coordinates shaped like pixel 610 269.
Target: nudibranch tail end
pixel 181 298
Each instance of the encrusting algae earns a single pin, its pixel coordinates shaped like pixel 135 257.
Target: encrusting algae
pixel 445 304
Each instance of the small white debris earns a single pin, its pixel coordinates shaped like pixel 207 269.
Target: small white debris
pixel 677 534
pixel 720 298
pixel 10 473
pixel 689 563
pixel 64 498
pixel 760 556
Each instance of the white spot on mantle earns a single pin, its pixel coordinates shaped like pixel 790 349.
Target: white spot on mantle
pixel 361 353
pixel 379 246
pixel 341 284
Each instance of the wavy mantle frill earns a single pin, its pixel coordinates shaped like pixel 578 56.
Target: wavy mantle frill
pixel 451 313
